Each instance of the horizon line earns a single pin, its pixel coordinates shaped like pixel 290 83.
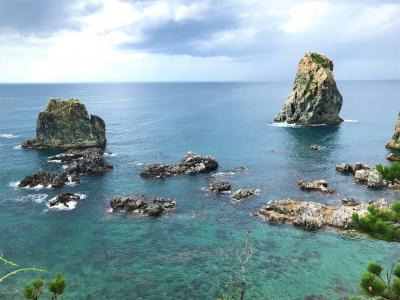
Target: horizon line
pixel 177 81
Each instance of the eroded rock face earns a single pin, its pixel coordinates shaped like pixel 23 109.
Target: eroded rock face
pixel 315 98
pixel 219 186
pixel 394 143
pixel 241 194
pixel 142 204
pixel 64 198
pixel 66 124
pixel 191 164
pixel 317 185
pixel 314 215
pixel 45 179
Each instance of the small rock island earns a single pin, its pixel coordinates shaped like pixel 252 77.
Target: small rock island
pixel 315 98
pixel 394 143
pixel 67 124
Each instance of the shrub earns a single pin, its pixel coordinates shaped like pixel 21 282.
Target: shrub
pixel 374 285
pixel 390 172
pixel 319 59
pixel 34 289
pixel 381 224
pixel 57 285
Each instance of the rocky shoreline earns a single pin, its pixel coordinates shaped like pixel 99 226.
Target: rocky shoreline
pixel 313 215
pixel 367 175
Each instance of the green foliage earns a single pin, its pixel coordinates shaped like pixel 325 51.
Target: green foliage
pixel 375 269
pixel 321 60
pixel 34 289
pixel 380 224
pixel 374 285
pixel 57 285
pixel 390 172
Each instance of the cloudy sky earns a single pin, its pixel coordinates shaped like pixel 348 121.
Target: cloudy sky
pixel 187 40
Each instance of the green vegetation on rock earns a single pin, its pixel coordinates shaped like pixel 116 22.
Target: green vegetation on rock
pixel 380 224
pixel 390 172
pixel 320 59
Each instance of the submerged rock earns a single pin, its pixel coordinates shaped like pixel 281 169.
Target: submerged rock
pixel 244 193
pixel 64 198
pixel 393 157
pixel 317 185
pixel 191 164
pixel 314 147
pixel 314 215
pixel 394 143
pixel 66 124
pixel 219 186
pixel 46 179
pixel 315 98
pixel 142 204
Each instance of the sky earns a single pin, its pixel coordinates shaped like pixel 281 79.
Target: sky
pixel 202 40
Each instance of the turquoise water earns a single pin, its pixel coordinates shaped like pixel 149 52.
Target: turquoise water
pixel 186 254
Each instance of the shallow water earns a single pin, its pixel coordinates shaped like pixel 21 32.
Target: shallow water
pixel 186 254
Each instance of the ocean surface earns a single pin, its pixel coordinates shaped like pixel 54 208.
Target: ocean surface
pixel 188 253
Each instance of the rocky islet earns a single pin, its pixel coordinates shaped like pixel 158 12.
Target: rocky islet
pixel 67 124
pixel 315 98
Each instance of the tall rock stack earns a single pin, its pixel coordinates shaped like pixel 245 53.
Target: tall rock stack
pixel 315 98
pixel 394 143
pixel 66 124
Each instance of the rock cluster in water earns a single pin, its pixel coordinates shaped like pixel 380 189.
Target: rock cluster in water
pixel 142 204
pixel 317 185
pixel 45 179
pixel 191 164
pixel 241 194
pixel 83 161
pixel 315 98
pixel 365 174
pixel 219 186
pixel 64 198
pixel 314 215
pixel 394 143
pixel 66 124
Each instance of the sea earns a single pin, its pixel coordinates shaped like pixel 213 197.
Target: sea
pixel 189 253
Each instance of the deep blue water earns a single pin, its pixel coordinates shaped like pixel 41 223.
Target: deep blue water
pixel 186 254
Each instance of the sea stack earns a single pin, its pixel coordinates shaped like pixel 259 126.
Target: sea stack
pixel 66 124
pixel 394 143
pixel 315 98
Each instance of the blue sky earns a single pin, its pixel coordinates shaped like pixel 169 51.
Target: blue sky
pixel 205 40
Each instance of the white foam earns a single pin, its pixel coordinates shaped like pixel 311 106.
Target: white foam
pixel 54 161
pixel 14 184
pixel 351 121
pixel 82 196
pixel 18 147
pixel 64 166
pixel 283 124
pixel 8 135
pixel 223 174
pixel 70 182
pixel 37 198
pixel 109 154
pixel 60 206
